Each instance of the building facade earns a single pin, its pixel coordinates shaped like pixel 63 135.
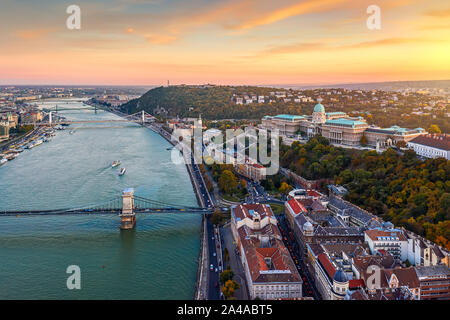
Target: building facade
pixel 434 282
pixel 269 270
pixel 431 146
pixel 339 128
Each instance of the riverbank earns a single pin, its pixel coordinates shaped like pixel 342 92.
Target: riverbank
pixel 157 260
pixel 201 287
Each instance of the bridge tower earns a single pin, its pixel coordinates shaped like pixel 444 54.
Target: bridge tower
pixel 143 117
pixel 50 118
pixel 128 216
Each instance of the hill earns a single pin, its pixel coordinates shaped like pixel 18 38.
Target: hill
pixel 212 102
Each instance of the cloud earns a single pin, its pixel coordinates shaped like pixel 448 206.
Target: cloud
pixel 160 38
pixel 438 13
pixel 327 44
pixel 305 7
pixel 32 34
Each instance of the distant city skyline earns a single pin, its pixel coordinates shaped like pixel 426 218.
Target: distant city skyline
pixel 245 42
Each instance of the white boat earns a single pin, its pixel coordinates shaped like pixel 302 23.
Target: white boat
pixel 122 171
pixel 3 161
pixel 115 163
pixel 10 156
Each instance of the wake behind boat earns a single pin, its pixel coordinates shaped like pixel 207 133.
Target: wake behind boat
pixel 122 171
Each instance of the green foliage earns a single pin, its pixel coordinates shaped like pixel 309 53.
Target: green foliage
pixel 285 188
pixel 226 275
pixel 216 102
pixel 402 189
pixel 229 288
pixel 434 129
pixel 228 182
pixel 216 217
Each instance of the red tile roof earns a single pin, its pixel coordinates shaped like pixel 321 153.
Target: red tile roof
pixel 356 283
pixel 313 193
pixel 243 211
pixel 439 141
pixel 327 265
pixel 296 206
pixel 374 234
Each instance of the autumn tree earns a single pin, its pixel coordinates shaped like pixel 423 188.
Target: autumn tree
pixel 285 188
pixel 229 288
pixel 226 275
pixel 434 129
pixel 228 182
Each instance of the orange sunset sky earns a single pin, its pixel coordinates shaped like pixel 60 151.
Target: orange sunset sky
pixel 139 42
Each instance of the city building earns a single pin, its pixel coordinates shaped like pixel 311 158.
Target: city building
pixel 434 282
pixel 386 137
pixel 392 241
pixel 339 128
pixel 288 125
pixel 318 228
pixel 269 269
pixel 4 131
pixel 422 252
pixel 431 146
pixel 401 293
pixel 252 171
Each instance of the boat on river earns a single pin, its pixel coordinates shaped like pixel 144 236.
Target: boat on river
pixel 10 156
pixel 115 163
pixel 122 171
pixel 3 161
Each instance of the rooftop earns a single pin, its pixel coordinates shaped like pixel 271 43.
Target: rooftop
pixel 288 117
pixel 345 122
pixel 432 271
pixel 438 141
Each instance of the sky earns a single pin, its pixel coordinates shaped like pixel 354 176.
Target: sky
pixel 236 42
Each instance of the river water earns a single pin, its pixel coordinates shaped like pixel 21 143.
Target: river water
pixel 157 260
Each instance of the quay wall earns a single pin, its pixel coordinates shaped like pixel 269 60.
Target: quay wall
pixel 201 286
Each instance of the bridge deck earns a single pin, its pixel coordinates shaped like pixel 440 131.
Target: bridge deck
pixel 102 211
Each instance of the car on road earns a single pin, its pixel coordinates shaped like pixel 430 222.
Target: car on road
pixel 211 267
pixel 216 284
pixel 216 269
pixel 214 254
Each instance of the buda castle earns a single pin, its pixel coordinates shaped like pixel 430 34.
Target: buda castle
pixel 338 128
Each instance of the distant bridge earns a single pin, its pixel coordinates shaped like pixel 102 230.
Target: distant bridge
pixel 138 117
pixel 126 207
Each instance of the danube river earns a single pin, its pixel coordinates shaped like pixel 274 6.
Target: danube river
pixel 157 260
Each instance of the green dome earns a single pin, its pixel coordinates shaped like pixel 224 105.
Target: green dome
pixel 319 108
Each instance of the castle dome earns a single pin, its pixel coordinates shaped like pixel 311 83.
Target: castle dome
pixel 340 276
pixel 308 226
pixel 319 108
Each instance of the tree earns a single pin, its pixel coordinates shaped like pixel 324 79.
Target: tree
pixel 228 182
pixel 216 217
pixel 434 129
pixel 226 275
pixel 285 188
pixel 229 288
pixel 226 255
pixel 363 140
pixel 401 144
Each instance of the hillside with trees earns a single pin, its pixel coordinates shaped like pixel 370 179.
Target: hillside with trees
pixel 383 109
pixel 211 102
pixel 402 189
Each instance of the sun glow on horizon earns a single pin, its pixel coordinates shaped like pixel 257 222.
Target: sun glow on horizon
pixel 223 42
